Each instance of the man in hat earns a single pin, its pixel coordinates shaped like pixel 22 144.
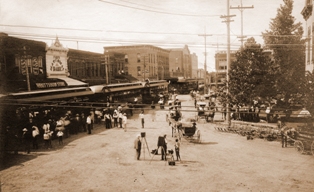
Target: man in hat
pixel 138 146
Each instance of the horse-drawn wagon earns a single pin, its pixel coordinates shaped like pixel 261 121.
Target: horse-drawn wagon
pixel 204 112
pixel 187 128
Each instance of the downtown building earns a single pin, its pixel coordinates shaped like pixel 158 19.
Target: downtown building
pixel 307 13
pixel 141 61
pixel 218 78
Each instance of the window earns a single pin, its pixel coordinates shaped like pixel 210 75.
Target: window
pixel 138 58
pixel 126 59
pixel 34 64
pixel 139 72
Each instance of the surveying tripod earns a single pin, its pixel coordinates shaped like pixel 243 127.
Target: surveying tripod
pixel 143 138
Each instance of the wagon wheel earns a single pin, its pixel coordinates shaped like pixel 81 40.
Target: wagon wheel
pixel 312 148
pixel 298 145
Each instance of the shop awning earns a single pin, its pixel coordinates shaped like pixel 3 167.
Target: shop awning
pixel 71 82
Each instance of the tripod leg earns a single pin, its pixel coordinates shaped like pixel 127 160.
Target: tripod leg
pixel 147 146
pixel 143 147
pixel 154 154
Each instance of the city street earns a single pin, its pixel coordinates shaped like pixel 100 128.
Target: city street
pixel 105 161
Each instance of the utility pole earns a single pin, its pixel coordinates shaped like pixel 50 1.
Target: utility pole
pixel 241 8
pixel 205 63
pixel 227 21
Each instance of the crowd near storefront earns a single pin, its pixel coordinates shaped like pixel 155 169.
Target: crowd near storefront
pixel 31 129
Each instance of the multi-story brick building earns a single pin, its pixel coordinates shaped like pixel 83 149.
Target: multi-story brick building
pixel 143 61
pixel 180 64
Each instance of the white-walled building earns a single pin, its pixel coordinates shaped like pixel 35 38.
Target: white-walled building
pixel 307 13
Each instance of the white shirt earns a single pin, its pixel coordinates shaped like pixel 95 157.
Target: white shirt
pixel 141 115
pixel 124 119
pixel 89 120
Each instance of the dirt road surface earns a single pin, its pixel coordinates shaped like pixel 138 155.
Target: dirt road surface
pixel 105 161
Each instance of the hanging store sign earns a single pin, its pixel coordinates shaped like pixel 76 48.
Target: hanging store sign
pixel 50 85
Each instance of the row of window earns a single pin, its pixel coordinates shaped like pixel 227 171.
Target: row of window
pixel 29 64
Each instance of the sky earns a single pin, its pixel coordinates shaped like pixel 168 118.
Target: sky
pixel 91 25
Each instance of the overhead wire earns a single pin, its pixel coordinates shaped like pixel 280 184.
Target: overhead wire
pixel 157 11
pixel 137 32
pixel 119 41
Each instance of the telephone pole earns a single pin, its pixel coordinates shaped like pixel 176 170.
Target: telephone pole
pixel 241 8
pixel 205 63
pixel 227 21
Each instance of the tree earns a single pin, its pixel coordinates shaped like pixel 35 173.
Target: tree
pixel 249 75
pixel 284 38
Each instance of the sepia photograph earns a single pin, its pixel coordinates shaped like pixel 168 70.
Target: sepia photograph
pixel 156 96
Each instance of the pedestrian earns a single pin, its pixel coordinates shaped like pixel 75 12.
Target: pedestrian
pixel 283 133
pixel 27 139
pixel 49 139
pixel 177 149
pixel 224 112
pixel 60 137
pixel 120 116
pixel 124 121
pixel 35 133
pixel 164 149
pixel 83 122
pixel 92 117
pixel 141 115
pixel 89 124
pixel 138 147
pixel 107 120
pixel 115 118
pixel 46 139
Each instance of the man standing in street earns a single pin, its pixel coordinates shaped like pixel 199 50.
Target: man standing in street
pixel 138 146
pixel 142 118
pixel 89 124
pixel 164 149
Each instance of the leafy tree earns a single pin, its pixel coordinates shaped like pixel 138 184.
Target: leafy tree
pixel 249 75
pixel 285 40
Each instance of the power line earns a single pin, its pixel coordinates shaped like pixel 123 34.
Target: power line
pixel 153 11
pixel 140 32
pixel 59 28
pixel 100 40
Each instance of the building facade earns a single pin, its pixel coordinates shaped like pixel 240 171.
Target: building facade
pixel 307 14
pixel 194 65
pixel 143 61
pixel 23 65
pixel 219 77
pixel 180 64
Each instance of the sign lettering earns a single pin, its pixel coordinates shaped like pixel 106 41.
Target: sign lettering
pixel 50 85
